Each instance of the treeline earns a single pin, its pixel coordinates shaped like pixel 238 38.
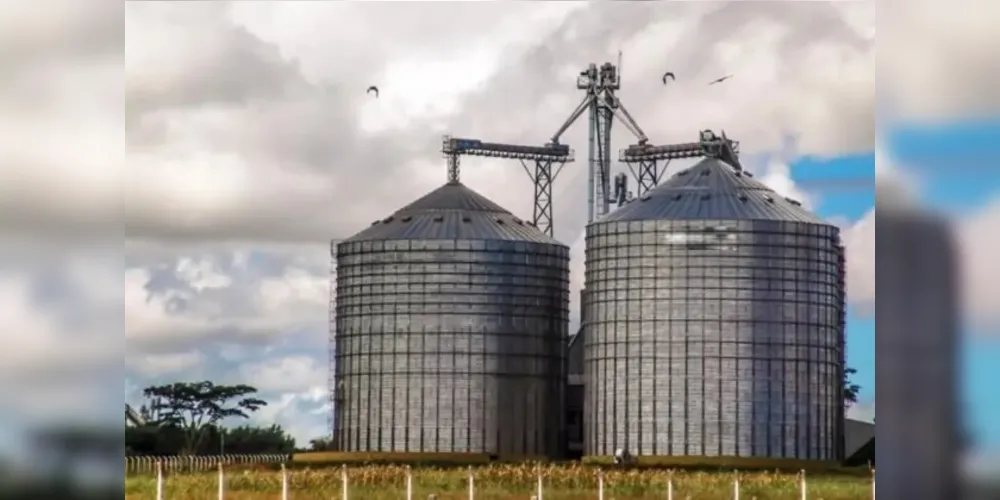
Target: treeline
pixel 185 418
pixel 243 440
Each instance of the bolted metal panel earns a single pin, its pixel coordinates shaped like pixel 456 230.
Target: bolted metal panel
pixel 451 345
pixel 714 338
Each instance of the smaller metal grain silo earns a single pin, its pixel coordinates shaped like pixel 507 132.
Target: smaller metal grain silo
pixel 452 316
pixel 714 326
pixel 918 354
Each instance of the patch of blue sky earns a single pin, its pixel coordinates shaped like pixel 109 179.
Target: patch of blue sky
pixel 842 187
pixel 959 163
pixel 980 381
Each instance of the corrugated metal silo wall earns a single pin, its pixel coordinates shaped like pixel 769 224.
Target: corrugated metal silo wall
pixel 917 354
pixel 714 339
pixel 448 346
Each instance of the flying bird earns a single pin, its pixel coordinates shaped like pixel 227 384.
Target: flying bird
pixel 720 80
pixel 373 89
pixel 668 76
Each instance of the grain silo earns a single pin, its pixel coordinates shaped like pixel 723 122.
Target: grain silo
pixel 714 326
pixel 917 356
pixel 452 315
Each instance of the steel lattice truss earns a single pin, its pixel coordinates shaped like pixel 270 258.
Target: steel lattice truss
pixel 647 163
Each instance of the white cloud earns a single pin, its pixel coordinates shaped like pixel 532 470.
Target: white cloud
pixel 778 176
pixel 895 185
pixel 202 274
pixel 186 314
pixel 978 242
pixel 228 156
pixel 859 247
pixel 40 347
pixel 296 292
pixel 62 83
pixel 276 142
pixel 60 324
pixel 303 415
pixel 864 412
pixel 291 374
pixel 158 365
pixel 957 67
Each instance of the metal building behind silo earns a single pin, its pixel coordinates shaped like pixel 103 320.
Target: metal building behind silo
pixel 451 319
pixel 714 325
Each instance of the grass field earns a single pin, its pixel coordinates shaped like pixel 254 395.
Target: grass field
pixel 499 482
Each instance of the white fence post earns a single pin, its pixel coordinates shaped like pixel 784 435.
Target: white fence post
pixel 409 483
pixel 284 482
pixel 670 485
pixel 343 483
pixel 600 484
pixel 540 497
pixel 736 487
pixel 873 483
pixel 472 485
pixel 222 482
pixel 803 486
pixel 159 480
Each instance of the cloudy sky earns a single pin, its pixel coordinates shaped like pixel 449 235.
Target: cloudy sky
pixel 250 143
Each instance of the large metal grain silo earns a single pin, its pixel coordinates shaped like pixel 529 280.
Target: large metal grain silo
pixel 714 325
pixel 452 315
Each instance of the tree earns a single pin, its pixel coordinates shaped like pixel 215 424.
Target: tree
pixel 321 444
pixel 148 414
pixel 198 406
pixel 851 390
pixel 251 440
pixel 243 440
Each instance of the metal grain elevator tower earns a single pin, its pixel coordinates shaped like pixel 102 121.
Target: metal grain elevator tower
pixel 602 105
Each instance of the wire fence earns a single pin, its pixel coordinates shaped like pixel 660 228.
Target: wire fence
pixel 161 466
pixel 193 464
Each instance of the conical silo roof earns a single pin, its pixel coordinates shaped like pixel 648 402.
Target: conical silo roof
pixel 713 190
pixel 453 212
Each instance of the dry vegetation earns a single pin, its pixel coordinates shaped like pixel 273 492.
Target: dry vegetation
pixel 499 482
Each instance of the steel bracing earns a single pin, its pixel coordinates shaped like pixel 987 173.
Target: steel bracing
pixel 644 160
pixel 548 160
pixel 602 105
